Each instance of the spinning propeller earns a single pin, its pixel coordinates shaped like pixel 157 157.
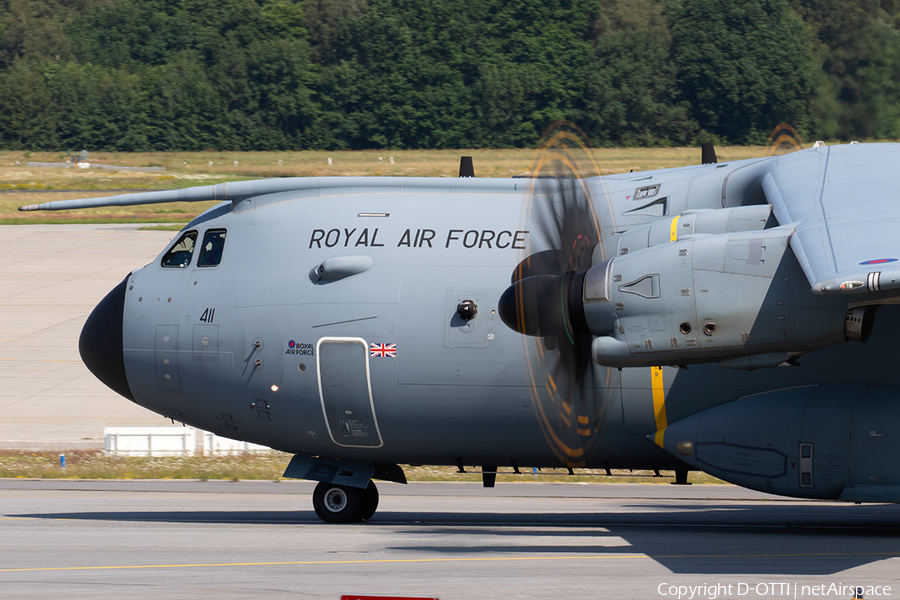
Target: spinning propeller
pixel 544 300
pixel 784 139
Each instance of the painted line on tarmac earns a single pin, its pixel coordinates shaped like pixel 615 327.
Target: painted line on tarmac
pixel 34 519
pixel 447 560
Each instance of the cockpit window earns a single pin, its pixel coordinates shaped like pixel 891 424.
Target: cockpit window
pixel 179 255
pixel 211 250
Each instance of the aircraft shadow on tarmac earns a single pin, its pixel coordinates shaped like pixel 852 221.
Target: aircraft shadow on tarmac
pixel 771 538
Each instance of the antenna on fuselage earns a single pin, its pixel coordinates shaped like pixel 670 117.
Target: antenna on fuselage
pixel 466 168
pixel 708 154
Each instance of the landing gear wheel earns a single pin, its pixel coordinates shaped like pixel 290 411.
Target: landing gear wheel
pixel 338 503
pixel 370 502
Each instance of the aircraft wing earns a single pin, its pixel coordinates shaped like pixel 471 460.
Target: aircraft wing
pixel 844 205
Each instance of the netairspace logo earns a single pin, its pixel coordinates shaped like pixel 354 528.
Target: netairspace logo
pixel 713 591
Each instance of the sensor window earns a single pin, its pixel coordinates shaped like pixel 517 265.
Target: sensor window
pixel 211 249
pixel 179 255
pixel 648 191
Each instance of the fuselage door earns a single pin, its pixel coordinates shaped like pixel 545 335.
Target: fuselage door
pixel 345 390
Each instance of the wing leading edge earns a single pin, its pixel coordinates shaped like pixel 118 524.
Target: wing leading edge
pixel 844 205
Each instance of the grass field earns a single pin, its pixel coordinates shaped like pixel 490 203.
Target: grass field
pixel 268 466
pixel 21 184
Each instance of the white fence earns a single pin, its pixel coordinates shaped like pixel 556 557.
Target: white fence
pixel 150 441
pixel 214 445
pixel 171 441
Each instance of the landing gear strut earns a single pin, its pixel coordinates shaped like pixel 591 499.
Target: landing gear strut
pixel 342 504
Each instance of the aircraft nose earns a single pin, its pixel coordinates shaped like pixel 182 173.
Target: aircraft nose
pixel 100 344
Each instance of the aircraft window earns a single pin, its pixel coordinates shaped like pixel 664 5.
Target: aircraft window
pixel 211 250
pixel 179 255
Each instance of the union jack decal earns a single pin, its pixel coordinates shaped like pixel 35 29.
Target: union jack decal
pixel 383 350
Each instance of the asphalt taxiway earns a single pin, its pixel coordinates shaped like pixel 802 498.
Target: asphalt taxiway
pixel 183 539
pixel 51 277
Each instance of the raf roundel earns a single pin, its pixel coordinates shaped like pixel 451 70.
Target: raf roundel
pixel 291 344
pixel 878 261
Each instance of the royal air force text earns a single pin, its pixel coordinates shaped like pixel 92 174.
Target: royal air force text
pixel 420 238
pixel 302 349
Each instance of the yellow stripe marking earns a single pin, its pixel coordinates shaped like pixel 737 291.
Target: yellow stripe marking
pixel 449 560
pixel 659 403
pixel 320 562
pixel 673 230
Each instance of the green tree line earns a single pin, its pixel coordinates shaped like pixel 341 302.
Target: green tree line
pixel 129 75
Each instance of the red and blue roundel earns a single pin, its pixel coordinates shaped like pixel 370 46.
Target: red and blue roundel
pixel 878 261
pixel 291 344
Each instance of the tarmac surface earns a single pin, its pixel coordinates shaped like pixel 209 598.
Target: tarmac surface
pixel 51 277
pixel 186 539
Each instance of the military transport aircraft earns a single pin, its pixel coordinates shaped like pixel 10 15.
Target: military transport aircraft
pixel 711 317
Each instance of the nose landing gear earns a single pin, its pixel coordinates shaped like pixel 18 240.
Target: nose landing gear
pixel 343 504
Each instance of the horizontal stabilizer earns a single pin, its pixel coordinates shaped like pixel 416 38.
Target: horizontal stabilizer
pixel 234 192
pixel 194 194
pixel 296 187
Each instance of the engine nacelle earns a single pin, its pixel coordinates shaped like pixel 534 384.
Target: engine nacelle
pixel 708 298
pixel 738 298
pixel 693 222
